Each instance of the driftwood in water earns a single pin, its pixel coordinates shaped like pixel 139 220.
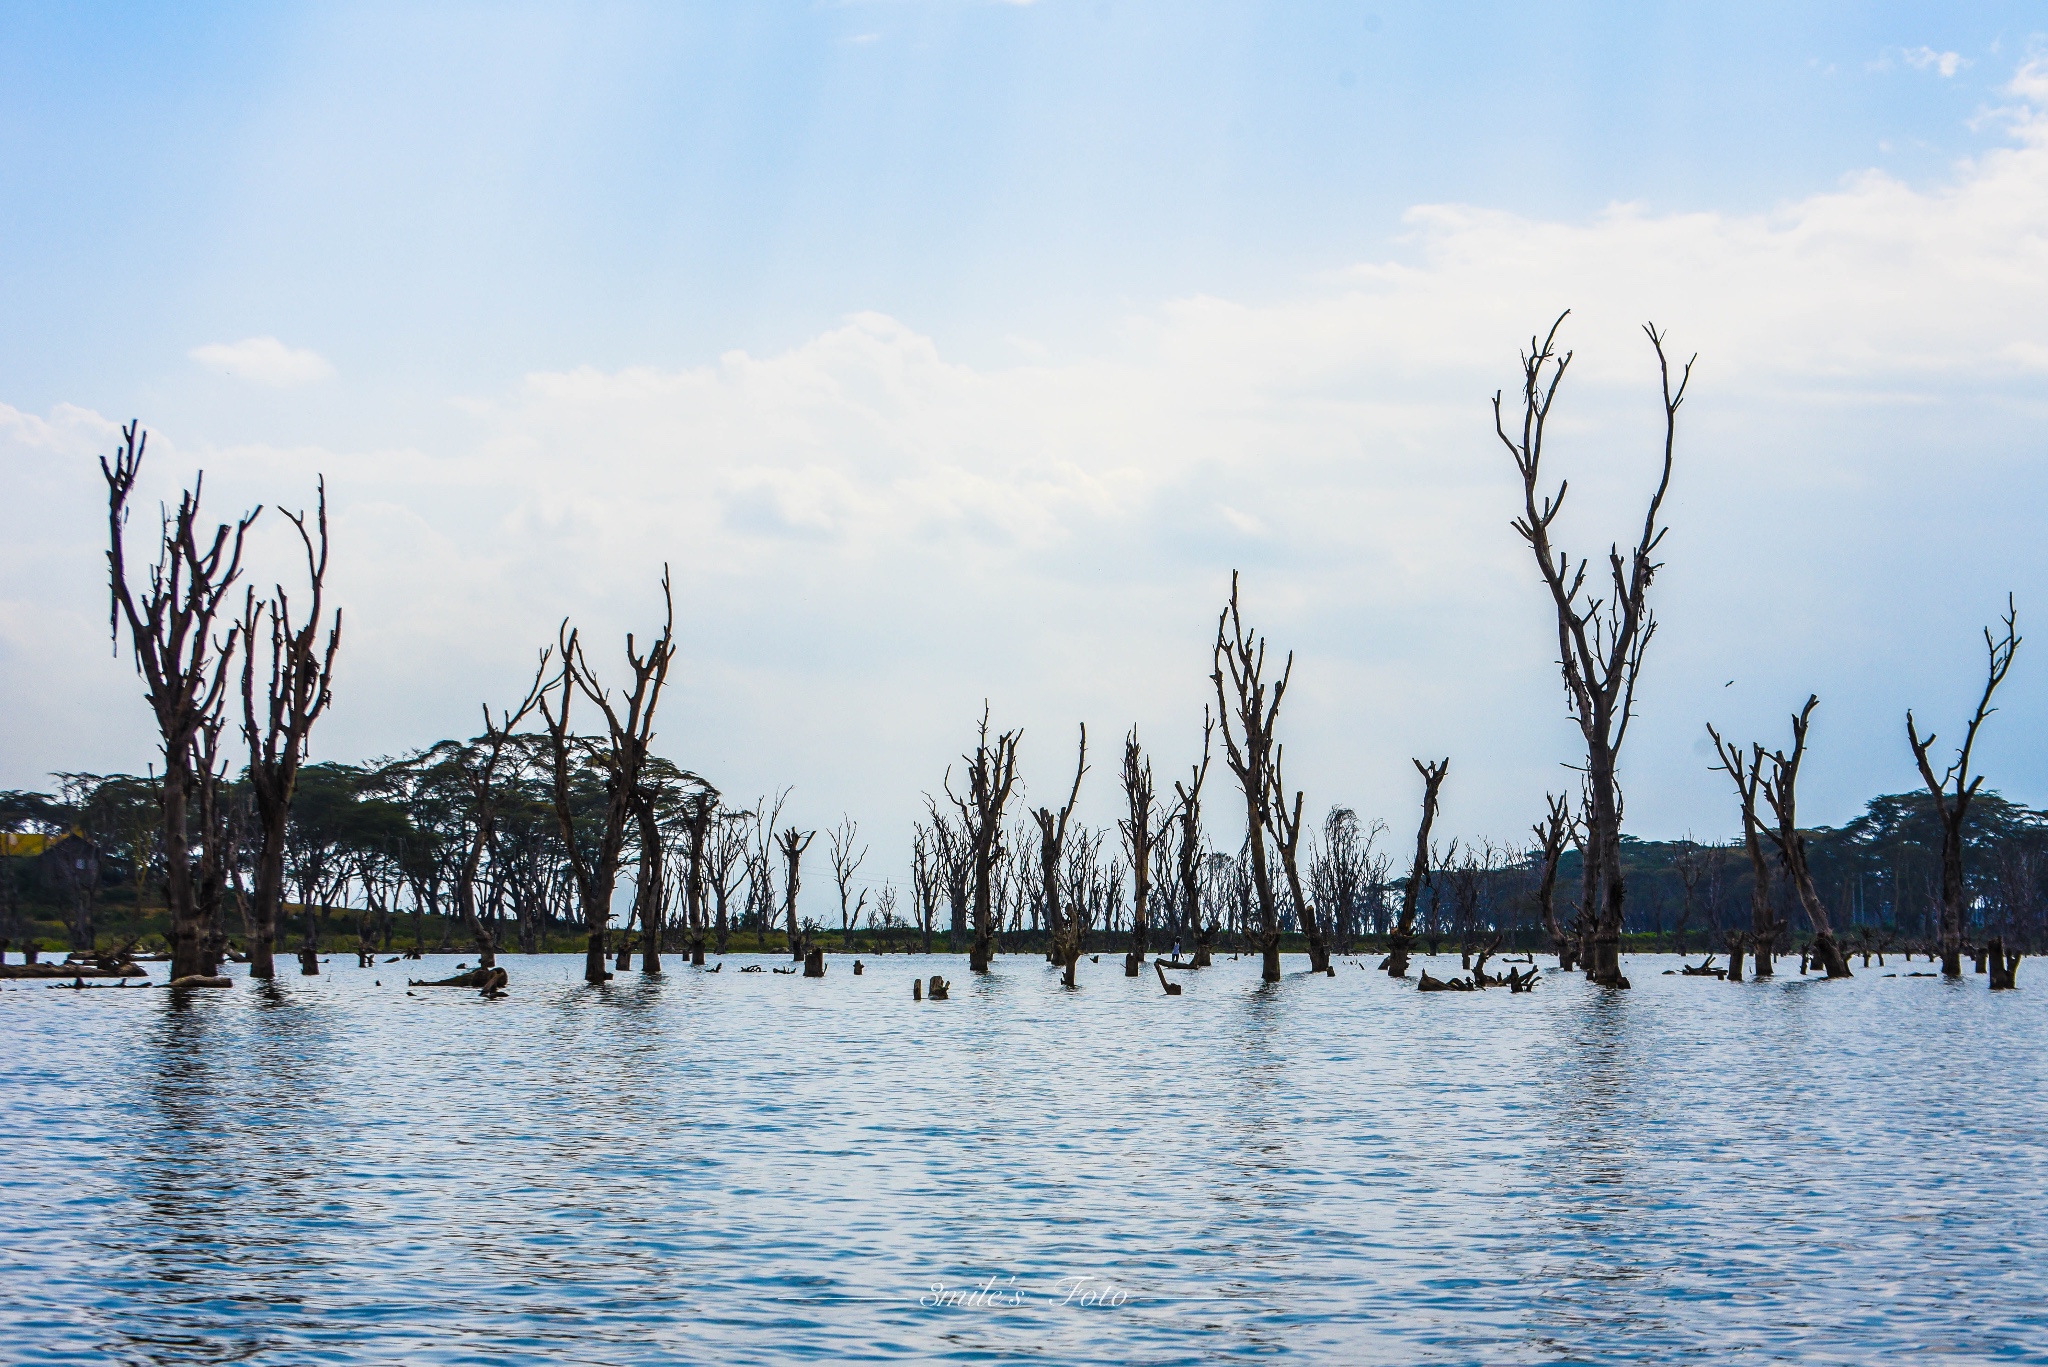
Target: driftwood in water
pixel 1429 984
pixel 80 985
pixel 1520 981
pixel 85 970
pixel 1172 988
pixel 937 991
pixel 1703 969
pixel 201 980
pixel 785 970
pixel 495 982
pixel 476 977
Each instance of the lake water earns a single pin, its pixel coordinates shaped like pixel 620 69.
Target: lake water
pixel 742 1168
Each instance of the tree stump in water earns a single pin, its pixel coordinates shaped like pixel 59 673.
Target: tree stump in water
pixel 814 964
pixel 1132 963
pixel 917 989
pixel 856 968
pixel 2004 967
pixel 1172 988
pixel 938 988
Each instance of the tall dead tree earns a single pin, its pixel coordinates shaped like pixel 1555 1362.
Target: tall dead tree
pixel 924 884
pixel 991 778
pixel 1954 789
pixel 1140 834
pixel 1286 827
pixel 1780 790
pixel 1552 835
pixel 1240 657
pixel 301 672
pixel 1762 936
pixel 184 670
pixel 846 862
pixel 1601 633
pixel 1062 925
pixel 700 809
pixel 794 843
pixel 1187 819
pixel 1401 944
pixel 593 850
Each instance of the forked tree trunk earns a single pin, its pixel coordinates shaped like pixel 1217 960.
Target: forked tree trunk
pixel 1401 944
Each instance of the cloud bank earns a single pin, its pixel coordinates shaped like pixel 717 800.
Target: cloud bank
pixel 870 536
pixel 263 361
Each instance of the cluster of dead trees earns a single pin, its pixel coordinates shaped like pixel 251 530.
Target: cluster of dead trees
pixel 560 796
pixel 179 621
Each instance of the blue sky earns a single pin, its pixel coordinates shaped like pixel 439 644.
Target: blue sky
pixel 958 349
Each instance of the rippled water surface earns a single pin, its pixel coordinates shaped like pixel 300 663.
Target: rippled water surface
pixel 740 1167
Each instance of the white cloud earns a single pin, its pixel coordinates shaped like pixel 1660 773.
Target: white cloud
pixel 869 535
pixel 264 361
pixel 1922 58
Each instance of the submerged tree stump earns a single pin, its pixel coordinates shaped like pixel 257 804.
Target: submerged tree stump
pixel 1172 988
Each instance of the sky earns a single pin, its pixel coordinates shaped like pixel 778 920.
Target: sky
pixel 957 352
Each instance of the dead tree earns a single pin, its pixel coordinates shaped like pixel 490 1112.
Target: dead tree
pixel 1240 658
pixel 728 869
pixel 1780 790
pixel 618 757
pixel 301 671
pixel 700 810
pixel 1552 835
pixel 1954 789
pixel 1140 835
pixel 1187 818
pixel 1286 827
pixel 924 884
pixel 184 669
pixel 1062 925
pixel 1401 943
pixel 846 862
pixel 1601 634
pixel 1762 936
pixel 991 778
pixel 794 843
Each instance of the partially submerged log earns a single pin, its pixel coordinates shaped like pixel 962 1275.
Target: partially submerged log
pixel 1172 988
pixel 1703 969
pixel 476 977
pixel 201 980
pixel 1429 984
pixel 84 970
pixel 937 989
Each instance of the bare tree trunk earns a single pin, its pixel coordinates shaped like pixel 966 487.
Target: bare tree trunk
pixel 1240 655
pixel 1601 633
pixel 1139 836
pixel 1781 791
pixel 1551 837
pixel 185 677
pixel 991 777
pixel 1065 924
pixel 1401 944
pixel 1764 927
pixel 1954 789
pixel 794 843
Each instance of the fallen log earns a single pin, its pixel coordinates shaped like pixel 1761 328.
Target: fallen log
pixel 476 977
pixel 1429 984
pixel 1172 988
pixel 86 970
pixel 201 980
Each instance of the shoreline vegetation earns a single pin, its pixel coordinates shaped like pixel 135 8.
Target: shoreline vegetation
pixel 527 835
